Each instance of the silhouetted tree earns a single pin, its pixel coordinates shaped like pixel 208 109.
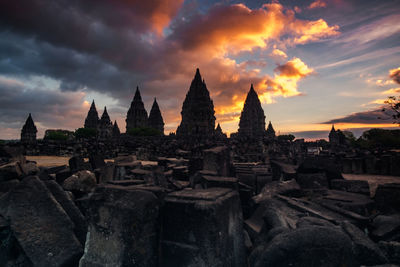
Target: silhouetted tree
pixel 393 104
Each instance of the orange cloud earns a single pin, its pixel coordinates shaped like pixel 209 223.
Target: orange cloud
pixel 317 4
pixel 237 28
pixel 277 53
pixel 391 91
pixel 395 75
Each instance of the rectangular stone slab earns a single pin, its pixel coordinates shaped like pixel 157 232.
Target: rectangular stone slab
pixel 202 227
pixel 123 228
pixel 40 224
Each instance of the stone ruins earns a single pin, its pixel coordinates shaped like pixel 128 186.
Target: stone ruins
pixel 197 197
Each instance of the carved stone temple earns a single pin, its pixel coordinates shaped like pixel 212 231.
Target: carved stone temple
pixel 105 126
pixel 155 118
pixel 252 118
pixel 28 132
pixel 92 118
pixel 137 114
pixel 198 118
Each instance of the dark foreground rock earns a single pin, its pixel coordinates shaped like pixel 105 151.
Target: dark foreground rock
pixel 62 197
pixel 203 227
pixel 40 225
pixel 308 246
pixel 123 228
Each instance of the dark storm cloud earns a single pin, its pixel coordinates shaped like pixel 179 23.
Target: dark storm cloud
pixel 74 70
pixel 367 117
pixel 49 107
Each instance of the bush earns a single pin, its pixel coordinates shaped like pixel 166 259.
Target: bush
pixel 85 133
pixel 58 136
pixel 143 131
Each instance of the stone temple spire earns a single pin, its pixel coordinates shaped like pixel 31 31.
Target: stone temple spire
pixel 219 133
pixel 105 125
pixel 197 111
pixel 155 119
pixel 252 118
pixel 137 114
pixel 92 119
pixel 270 131
pixel 116 132
pixel 28 132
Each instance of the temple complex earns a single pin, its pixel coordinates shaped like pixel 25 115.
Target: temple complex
pixel 28 132
pixel 137 114
pixel 252 118
pixel 105 127
pixel 155 118
pixel 198 198
pixel 92 118
pixel 198 118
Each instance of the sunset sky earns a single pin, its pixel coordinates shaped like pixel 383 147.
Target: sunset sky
pixel 313 63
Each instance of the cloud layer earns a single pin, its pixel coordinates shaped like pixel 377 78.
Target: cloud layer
pixel 77 48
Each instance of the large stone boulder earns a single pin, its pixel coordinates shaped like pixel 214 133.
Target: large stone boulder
pixel 308 246
pixel 387 197
pixel 203 227
pixel 80 183
pixel 316 180
pixel 353 186
pixel 217 159
pixel 66 202
pixel 76 163
pixel 386 227
pixel 40 225
pixel 366 251
pixel 123 228
pixel 9 172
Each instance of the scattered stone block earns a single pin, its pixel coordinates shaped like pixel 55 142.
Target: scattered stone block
pixel 66 202
pixel 180 173
pixel 8 172
pixel 96 161
pixel 107 173
pixel 218 181
pixel 203 227
pixel 392 250
pixel 387 197
pixel 80 183
pixel 40 225
pixel 386 227
pixel 76 163
pixel 8 185
pixel 123 228
pixel 366 252
pixel 217 159
pixel 308 246
pixel 127 182
pixel 353 186
pixel 312 180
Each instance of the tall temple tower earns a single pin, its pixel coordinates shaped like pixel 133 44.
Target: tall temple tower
pixel 92 119
pixel 28 132
pixel 270 132
pixel 116 132
pixel 252 118
pixel 155 118
pixel 105 126
pixel 197 111
pixel 137 114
